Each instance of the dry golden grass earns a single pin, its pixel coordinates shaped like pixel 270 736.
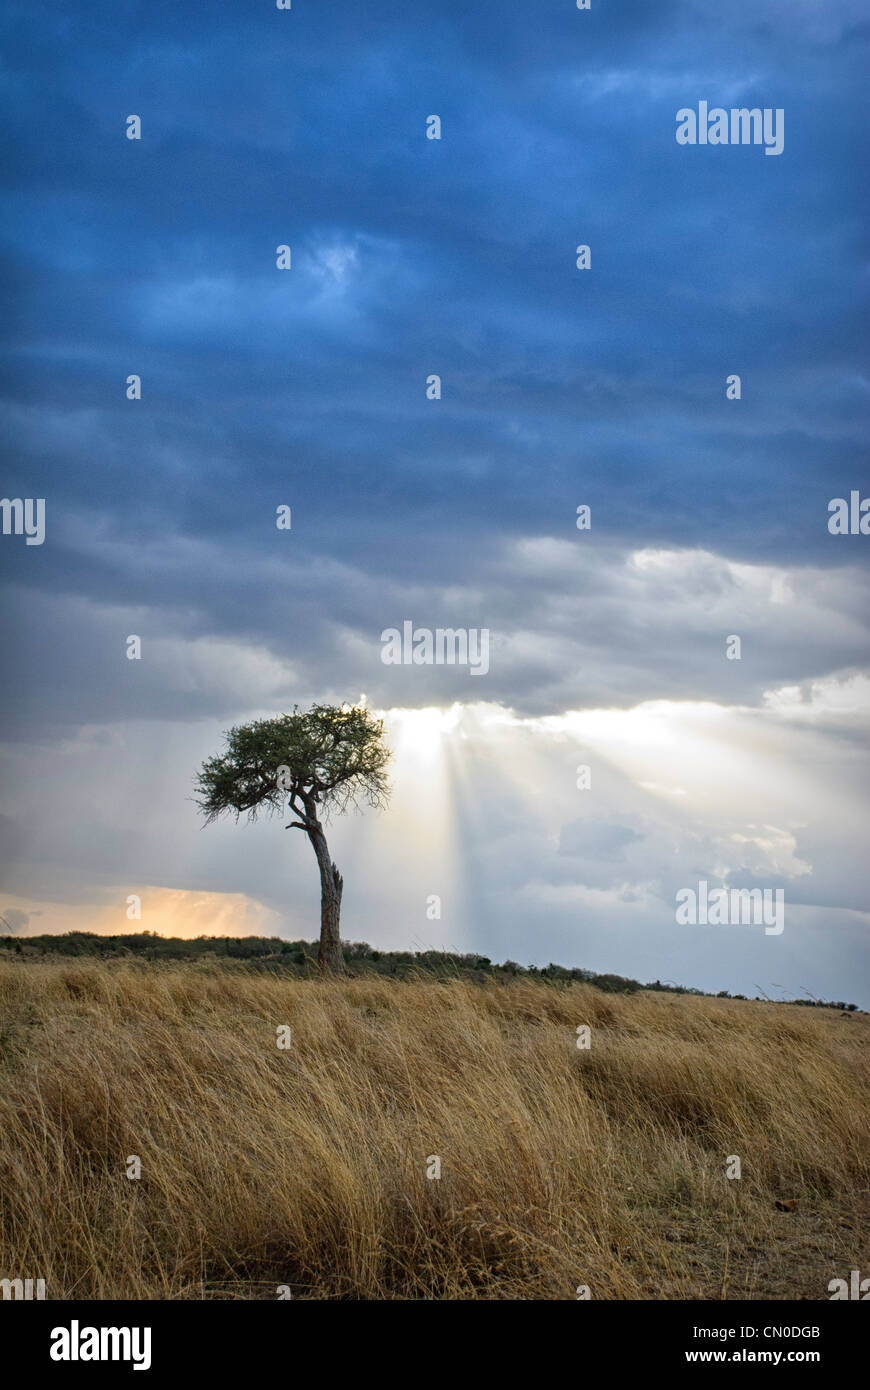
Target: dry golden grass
pixel 307 1167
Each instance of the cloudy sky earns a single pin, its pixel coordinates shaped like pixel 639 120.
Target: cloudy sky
pixel 560 388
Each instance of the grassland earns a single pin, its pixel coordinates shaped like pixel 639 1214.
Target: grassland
pixel 307 1166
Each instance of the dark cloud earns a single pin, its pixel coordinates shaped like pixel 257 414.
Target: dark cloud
pixel 14 920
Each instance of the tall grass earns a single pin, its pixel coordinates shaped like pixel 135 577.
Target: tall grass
pixel 307 1167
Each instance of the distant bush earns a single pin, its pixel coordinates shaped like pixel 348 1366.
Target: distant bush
pixel 300 957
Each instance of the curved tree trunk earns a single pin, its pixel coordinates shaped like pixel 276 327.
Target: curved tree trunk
pixel 329 957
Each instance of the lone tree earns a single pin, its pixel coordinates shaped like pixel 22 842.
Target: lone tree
pixel 330 758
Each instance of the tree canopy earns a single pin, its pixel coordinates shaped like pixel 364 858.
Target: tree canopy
pixel 334 755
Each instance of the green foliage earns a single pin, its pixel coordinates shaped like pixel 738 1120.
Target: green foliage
pixel 334 756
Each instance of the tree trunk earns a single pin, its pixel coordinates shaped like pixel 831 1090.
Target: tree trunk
pixel 330 959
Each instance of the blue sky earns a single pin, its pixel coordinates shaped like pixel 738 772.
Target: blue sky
pixel 560 387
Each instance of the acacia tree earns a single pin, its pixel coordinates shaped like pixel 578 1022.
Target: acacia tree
pixel 329 758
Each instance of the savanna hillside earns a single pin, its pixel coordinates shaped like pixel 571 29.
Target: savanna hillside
pixel 307 1166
